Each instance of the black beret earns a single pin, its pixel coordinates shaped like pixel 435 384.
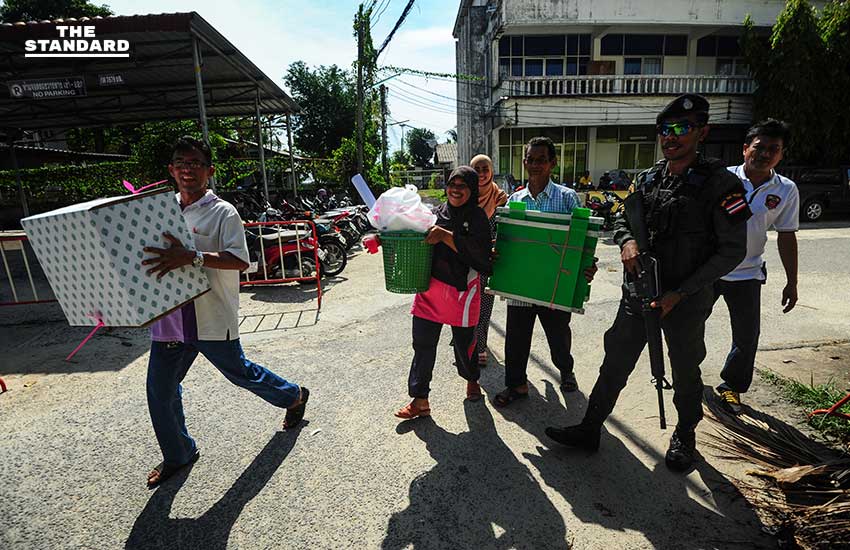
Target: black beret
pixel 682 106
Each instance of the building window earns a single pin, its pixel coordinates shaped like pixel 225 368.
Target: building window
pixel 570 144
pixel 718 46
pixel 635 146
pixel 642 65
pixel 550 55
pixel 644 44
pixel 732 66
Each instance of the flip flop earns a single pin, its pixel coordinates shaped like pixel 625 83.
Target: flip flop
pixel 167 471
pixel 294 415
pixel 412 411
pixel 508 396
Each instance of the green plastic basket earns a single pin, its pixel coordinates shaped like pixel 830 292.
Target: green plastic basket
pixel 407 261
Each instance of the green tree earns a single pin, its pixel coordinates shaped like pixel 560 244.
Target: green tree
pixel 399 157
pixel 13 11
pixel 799 72
pixel 327 99
pixel 835 30
pixel 421 151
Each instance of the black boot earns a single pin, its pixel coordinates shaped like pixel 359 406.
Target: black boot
pixel 680 454
pixel 581 436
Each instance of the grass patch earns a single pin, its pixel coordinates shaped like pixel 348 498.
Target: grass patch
pixel 810 397
pixel 438 194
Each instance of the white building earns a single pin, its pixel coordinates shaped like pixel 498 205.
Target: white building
pixel 593 74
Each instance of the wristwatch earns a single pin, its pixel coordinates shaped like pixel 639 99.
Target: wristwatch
pixel 198 260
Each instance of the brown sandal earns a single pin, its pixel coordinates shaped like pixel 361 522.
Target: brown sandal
pixel 473 391
pixel 412 411
pixel 508 396
pixel 482 358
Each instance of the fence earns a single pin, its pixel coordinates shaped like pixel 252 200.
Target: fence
pixel 13 243
pixel 627 85
pixel 275 246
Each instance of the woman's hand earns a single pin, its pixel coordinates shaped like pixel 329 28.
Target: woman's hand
pixel 437 235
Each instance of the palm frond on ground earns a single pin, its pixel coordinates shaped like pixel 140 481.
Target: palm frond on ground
pixel 803 485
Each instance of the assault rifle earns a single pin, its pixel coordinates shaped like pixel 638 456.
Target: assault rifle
pixel 645 287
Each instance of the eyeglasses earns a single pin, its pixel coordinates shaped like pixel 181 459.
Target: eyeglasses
pixel 191 165
pixel 674 128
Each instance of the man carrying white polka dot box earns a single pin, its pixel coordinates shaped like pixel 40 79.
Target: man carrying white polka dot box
pixel 208 325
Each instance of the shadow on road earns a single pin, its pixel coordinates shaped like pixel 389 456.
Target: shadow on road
pixel 154 529
pixel 615 489
pixel 478 495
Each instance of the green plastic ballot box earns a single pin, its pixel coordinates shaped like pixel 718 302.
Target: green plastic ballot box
pixel 542 256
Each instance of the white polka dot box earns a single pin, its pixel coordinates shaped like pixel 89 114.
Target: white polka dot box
pixel 92 255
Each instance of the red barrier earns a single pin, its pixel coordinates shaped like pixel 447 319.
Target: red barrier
pixel 10 243
pixel 278 236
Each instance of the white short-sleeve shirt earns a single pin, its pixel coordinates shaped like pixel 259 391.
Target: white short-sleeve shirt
pixel 775 203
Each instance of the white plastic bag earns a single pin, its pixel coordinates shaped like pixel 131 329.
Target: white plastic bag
pixel 401 209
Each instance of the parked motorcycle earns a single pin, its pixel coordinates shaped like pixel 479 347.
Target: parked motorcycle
pixel 287 241
pixel 604 208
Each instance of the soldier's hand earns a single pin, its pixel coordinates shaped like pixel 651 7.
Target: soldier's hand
pixel 667 302
pixel 590 272
pixel 629 254
pixel 789 297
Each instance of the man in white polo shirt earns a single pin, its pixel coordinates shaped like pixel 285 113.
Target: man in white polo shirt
pixel 774 202
pixel 208 325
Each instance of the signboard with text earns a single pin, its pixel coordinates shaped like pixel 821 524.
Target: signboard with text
pixel 48 88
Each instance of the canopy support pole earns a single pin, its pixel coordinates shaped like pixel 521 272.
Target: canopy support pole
pixel 199 88
pixel 262 149
pixel 16 168
pixel 291 155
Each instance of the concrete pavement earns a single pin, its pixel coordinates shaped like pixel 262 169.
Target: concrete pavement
pixel 77 441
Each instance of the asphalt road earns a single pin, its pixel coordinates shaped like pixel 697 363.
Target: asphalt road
pixel 77 443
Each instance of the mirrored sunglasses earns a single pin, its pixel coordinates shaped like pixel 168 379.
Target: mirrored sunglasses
pixel 674 128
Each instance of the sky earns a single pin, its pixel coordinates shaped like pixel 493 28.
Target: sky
pixel 275 33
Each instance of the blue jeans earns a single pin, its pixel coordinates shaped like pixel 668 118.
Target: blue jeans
pixel 168 365
pixel 743 298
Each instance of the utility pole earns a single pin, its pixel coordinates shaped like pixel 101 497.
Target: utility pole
pixel 359 138
pixel 384 165
pixel 403 126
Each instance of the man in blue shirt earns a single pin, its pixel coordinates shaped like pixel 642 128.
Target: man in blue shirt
pixel 544 195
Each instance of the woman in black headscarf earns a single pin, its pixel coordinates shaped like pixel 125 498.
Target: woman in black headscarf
pixel 461 239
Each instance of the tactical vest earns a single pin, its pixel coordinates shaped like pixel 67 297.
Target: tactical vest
pixel 682 228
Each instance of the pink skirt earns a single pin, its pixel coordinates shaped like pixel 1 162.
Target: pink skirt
pixel 443 303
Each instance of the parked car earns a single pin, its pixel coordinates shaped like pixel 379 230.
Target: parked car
pixel 821 190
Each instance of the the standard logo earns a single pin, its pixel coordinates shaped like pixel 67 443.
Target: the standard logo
pixel 76 41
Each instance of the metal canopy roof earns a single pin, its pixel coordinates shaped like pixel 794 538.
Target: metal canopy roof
pixel 159 78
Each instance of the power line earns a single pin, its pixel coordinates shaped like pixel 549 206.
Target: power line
pixel 380 11
pixel 398 23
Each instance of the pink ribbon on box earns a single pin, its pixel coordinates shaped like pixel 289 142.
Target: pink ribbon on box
pixel 97 327
pixel 133 190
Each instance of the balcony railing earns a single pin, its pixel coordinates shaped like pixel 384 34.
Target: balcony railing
pixel 626 85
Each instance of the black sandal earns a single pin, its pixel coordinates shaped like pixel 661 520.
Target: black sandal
pixel 294 415
pixel 166 471
pixel 508 396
